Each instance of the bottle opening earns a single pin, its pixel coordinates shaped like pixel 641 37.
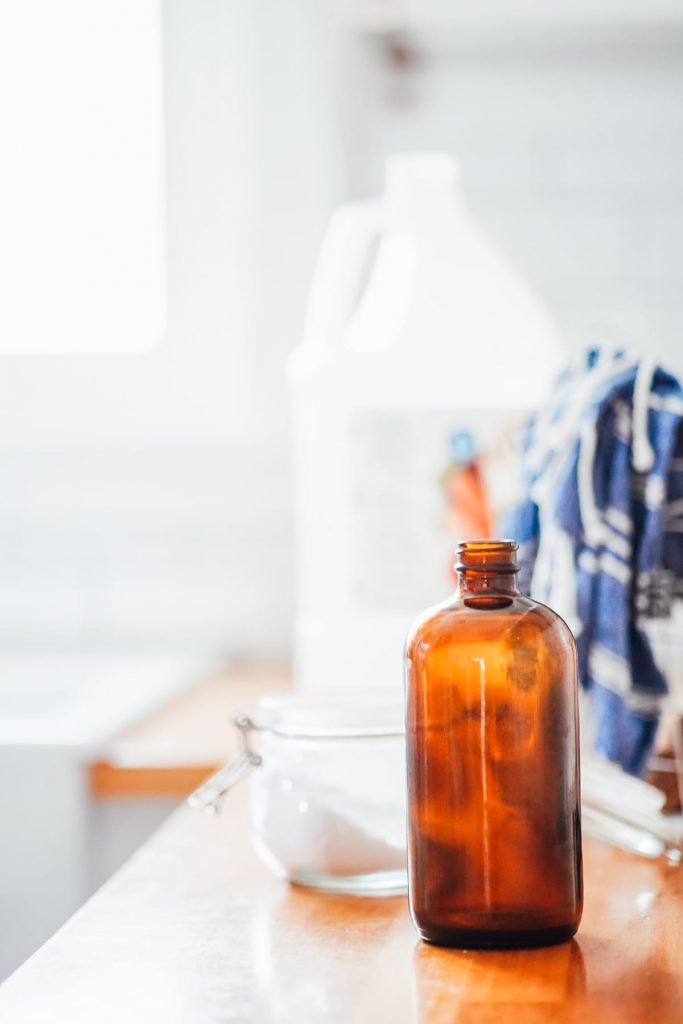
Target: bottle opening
pixel 489 556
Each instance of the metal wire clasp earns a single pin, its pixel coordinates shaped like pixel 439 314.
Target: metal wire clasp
pixel 209 795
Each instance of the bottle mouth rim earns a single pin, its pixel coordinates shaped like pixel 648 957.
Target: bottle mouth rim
pixel 488 556
pixel 487 544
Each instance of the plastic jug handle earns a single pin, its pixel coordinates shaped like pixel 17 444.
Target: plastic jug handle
pixel 337 278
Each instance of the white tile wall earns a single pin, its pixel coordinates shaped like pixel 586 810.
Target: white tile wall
pixel 180 549
pixel 572 152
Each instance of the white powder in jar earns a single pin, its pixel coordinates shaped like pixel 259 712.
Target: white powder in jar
pixel 307 829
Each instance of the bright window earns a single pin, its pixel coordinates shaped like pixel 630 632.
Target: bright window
pixel 81 176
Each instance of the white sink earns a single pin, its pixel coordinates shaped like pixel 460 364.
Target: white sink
pixel 80 701
pixel 57 712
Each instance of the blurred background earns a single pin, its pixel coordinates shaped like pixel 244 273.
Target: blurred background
pixel 146 498
pixel 169 171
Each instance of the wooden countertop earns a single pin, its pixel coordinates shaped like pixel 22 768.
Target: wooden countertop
pixel 195 930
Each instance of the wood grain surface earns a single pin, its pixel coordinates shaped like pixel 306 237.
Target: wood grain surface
pixel 194 929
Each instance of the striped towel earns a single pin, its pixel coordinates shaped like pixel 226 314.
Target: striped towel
pixel 602 516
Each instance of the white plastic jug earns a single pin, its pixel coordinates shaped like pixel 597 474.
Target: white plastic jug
pixel 435 334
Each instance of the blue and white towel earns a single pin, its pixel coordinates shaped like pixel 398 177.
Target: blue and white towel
pixel 604 476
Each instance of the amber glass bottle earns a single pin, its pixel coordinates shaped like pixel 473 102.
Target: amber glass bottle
pixel 494 833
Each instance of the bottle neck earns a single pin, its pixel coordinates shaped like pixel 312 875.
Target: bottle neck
pixel 487 573
pixel 476 581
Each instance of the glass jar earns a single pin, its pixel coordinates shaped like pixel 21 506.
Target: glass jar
pixel 327 801
pixel 494 836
